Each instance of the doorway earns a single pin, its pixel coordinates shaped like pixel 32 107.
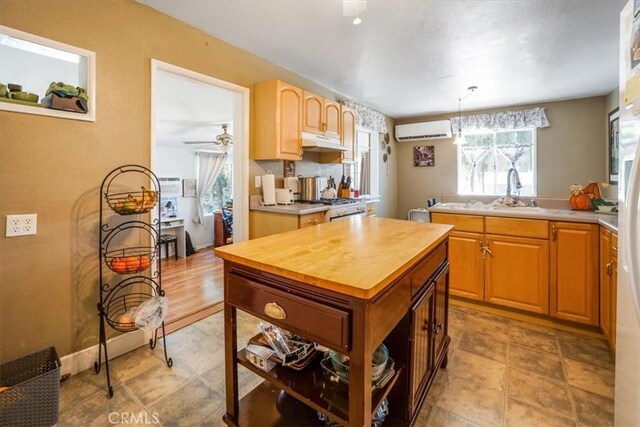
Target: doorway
pixel 199 149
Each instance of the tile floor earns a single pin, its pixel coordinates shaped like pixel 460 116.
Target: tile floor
pixel 501 372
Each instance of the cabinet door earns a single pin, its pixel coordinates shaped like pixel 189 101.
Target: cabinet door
pixel 517 273
pixel 467 265
pixel 605 282
pixel 421 353
pixel 331 119
pixel 574 272
pixel 312 113
pixel 441 313
pixel 348 134
pixel 290 121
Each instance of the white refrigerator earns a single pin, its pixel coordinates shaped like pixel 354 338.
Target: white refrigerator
pixel 627 387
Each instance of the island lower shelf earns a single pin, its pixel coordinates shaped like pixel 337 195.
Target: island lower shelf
pixel 311 387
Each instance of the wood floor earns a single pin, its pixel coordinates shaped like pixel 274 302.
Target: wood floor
pixel 192 284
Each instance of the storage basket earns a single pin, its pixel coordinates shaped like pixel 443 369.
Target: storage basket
pixel 34 393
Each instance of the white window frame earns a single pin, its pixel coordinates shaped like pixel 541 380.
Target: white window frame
pixel 534 159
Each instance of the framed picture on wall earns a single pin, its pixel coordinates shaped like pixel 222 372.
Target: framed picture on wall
pixel 189 187
pixel 614 145
pixel 424 156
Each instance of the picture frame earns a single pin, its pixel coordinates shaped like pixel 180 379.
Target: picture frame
pixel 289 168
pixel 614 145
pixel 189 187
pixel 424 155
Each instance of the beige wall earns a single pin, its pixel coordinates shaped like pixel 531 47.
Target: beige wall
pixel 613 102
pixel 54 167
pixel 569 151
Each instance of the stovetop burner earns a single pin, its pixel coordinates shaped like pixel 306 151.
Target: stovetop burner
pixel 332 202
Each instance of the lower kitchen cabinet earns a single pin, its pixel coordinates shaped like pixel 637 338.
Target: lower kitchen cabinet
pixel 574 272
pixel 467 265
pixel 267 223
pixel 608 284
pixel 517 272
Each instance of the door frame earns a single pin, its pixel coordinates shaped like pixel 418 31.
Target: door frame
pixel 241 106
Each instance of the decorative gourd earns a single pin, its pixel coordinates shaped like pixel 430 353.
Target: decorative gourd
pixel 580 202
pixel 581 197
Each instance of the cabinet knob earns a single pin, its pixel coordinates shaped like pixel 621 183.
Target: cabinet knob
pixel 609 265
pixel 313 221
pixel 425 327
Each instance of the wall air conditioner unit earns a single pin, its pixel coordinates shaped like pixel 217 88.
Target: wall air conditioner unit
pixel 440 129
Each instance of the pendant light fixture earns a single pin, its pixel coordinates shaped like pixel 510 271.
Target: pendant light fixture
pixel 460 140
pixel 354 8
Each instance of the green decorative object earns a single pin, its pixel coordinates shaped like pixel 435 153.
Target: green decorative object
pixel 66 91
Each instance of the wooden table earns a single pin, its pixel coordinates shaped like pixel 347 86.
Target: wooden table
pixel 350 286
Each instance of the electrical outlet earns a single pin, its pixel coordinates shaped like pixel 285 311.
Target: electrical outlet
pixel 258 183
pixel 21 225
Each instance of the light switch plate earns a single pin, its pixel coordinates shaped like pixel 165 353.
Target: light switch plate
pixel 258 182
pixel 21 225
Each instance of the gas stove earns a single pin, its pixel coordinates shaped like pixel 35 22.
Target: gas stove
pixel 333 202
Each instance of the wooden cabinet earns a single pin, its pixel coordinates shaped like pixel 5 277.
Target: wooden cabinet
pixel 267 223
pixel 467 264
pixel 348 134
pixel 608 284
pixel 574 272
pixel 320 116
pixel 517 272
pixel 422 348
pixel 277 121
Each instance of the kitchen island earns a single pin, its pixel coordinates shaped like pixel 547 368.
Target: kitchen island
pixel 349 286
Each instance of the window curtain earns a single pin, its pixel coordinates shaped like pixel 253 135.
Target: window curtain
pixel 365 173
pixel 504 120
pixel 367 117
pixel 209 168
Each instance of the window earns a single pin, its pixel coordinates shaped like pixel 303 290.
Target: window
pixel 485 160
pixel 365 163
pixel 221 192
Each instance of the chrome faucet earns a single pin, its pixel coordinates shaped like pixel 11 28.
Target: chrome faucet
pixel 510 175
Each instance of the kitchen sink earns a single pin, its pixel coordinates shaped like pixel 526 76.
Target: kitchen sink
pixel 519 208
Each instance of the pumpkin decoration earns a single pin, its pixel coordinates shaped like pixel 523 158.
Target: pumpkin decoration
pixel 581 197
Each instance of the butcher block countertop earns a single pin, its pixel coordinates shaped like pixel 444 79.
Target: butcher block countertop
pixel 358 257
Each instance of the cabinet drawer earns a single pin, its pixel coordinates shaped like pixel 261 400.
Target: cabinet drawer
pixel 427 268
pixel 327 325
pixel 517 227
pixel 310 219
pixel 472 223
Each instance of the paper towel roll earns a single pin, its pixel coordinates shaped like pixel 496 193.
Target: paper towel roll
pixel 268 189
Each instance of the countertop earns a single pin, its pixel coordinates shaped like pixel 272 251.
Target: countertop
pixel 608 220
pixel 294 209
pixel 358 257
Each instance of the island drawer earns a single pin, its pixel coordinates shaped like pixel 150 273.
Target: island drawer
pixel 427 267
pixel 324 324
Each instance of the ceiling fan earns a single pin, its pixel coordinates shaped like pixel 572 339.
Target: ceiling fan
pixel 223 139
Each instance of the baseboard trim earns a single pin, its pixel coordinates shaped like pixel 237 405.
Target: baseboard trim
pixel 84 359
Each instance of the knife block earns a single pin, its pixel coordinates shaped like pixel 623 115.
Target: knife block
pixel 345 193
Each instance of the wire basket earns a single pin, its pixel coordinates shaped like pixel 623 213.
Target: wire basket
pixel 378 363
pixel 130 260
pixel 33 398
pixel 132 202
pixel 120 310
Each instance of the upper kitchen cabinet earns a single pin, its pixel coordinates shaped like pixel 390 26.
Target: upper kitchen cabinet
pixel 45 77
pixel 574 272
pixel 348 134
pixel 277 121
pixel 320 116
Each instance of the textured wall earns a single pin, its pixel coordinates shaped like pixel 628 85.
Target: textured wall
pixel 569 151
pixel 48 282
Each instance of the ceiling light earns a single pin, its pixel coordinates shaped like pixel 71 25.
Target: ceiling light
pixel 354 8
pixel 357 21
pixel 460 139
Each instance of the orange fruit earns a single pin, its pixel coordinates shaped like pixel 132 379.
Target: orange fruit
pixel 118 265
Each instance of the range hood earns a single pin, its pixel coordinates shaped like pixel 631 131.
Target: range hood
pixel 320 143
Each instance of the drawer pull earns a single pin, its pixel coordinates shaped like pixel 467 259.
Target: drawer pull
pixel 273 310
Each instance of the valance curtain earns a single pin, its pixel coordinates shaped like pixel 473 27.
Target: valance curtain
pixel 209 167
pixel 367 117
pixel 504 120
